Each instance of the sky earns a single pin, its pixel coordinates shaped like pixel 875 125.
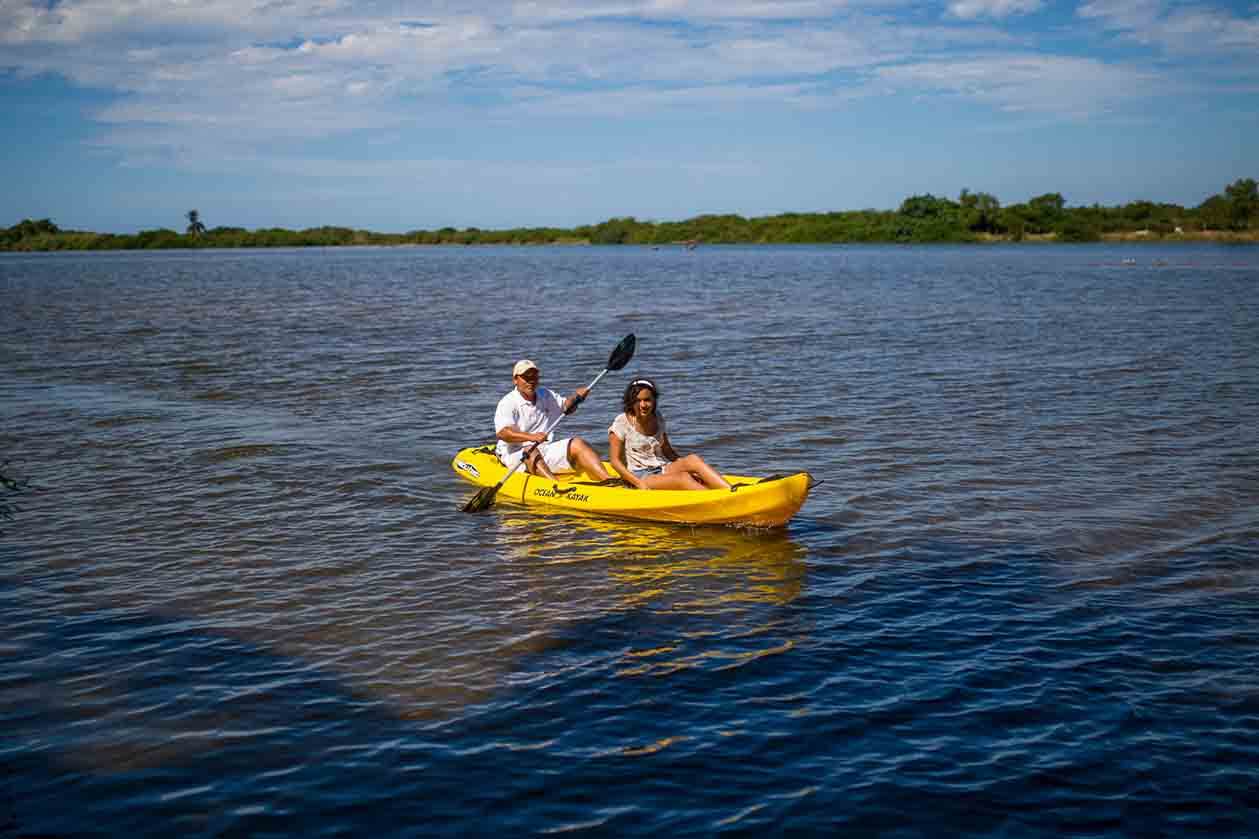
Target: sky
pixel 122 115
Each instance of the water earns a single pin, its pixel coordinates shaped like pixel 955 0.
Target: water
pixel 1022 603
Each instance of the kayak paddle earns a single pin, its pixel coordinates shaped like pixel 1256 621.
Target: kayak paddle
pixel 620 356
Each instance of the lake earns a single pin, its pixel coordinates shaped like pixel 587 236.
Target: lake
pixel 243 600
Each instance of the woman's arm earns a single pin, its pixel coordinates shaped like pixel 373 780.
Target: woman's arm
pixel 667 448
pixel 616 454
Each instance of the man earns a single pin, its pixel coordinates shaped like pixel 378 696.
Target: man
pixel 527 414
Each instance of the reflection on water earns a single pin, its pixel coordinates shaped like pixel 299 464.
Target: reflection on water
pixel 675 567
pixel 583 568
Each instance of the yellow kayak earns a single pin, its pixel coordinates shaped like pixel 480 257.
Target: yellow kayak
pixel 754 502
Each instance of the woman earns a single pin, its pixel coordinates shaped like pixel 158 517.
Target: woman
pixel 641 452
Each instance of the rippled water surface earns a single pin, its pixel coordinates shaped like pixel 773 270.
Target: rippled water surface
pixel 244 602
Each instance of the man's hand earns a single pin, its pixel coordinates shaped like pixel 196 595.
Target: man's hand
pixel 578 397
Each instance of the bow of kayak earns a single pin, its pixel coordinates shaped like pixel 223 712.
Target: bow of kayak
pixel 754 502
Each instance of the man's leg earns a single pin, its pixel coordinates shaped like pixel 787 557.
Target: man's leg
pixel 584 458
pixel 536 464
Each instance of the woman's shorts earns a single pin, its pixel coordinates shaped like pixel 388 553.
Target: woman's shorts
pixel 554 454
pixel 647 473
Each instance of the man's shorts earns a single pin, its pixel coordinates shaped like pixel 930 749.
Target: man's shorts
pixel 554 454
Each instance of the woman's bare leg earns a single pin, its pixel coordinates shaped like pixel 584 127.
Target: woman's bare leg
pixel 673 480
pixel 705 475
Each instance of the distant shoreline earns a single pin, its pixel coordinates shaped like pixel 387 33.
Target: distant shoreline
pixel 1249 237
pixel 1149 237
pixel 1229 217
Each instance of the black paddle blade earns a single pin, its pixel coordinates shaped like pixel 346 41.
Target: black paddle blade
pixel 482 500
pixel 623 353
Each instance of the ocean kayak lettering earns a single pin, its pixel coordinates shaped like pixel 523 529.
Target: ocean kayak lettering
pixel 542 492
pixel 467 467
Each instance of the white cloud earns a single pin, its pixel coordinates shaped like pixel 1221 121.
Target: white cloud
pixel 972 9
pixel 1122 14
pixel 224 74
pixel 76 21
pixel 689 10
pixel 645 100
pixel 1183 28
pixel 1075 87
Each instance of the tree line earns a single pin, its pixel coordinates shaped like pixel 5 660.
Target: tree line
pixel 972 217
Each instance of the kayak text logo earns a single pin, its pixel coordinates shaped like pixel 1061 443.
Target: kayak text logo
pixel 467 467
pixel 541 492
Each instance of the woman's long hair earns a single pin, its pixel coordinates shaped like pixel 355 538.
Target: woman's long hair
pixel 631 393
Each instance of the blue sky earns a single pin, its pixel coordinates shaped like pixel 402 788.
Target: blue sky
pixel 395 116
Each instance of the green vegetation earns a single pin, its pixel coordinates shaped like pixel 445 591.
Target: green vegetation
pixel 1232 215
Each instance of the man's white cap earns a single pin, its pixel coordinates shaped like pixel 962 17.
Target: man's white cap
pixel 523 366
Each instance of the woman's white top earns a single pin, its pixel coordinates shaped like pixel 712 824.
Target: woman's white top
pixel 642 451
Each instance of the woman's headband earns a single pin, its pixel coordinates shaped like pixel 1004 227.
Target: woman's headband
pixel 647 382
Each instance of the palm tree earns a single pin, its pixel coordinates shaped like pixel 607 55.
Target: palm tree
pixel 195 227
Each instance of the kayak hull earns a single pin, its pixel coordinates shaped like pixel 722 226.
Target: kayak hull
pixel 755 502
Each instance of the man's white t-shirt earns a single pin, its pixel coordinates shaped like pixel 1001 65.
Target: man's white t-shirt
pixel 529 417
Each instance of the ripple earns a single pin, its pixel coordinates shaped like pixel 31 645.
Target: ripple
pixel 246 601
pixel 227 453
